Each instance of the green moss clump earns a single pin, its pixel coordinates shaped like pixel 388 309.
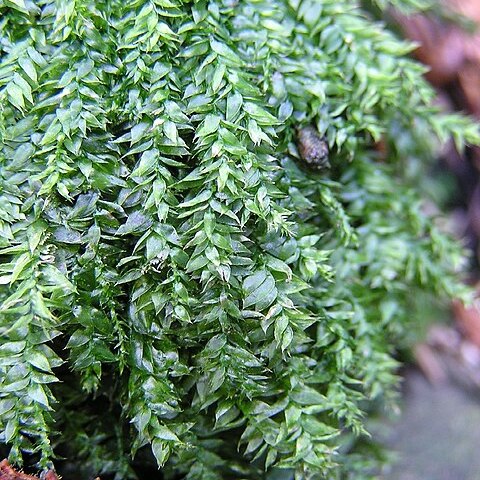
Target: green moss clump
pixel 199 291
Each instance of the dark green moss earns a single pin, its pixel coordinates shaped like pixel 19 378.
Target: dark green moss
pixel 169 258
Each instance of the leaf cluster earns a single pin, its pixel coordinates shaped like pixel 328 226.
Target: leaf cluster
pixel 199 293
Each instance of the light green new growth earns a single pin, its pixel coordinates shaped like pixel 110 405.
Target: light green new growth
pixel 199 292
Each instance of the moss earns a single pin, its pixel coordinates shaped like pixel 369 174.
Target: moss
pixel 171 258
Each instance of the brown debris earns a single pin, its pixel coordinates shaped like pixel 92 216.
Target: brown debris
pixel 7 472
pixel 468 319
pixel 449 355
pixel 453 56
pixel 446 48
pixel 469 80
pixel 430 364
pixel 440 47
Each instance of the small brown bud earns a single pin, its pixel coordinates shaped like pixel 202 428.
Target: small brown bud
pixel 313 148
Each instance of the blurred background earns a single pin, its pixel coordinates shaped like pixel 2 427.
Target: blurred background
pixel 438 433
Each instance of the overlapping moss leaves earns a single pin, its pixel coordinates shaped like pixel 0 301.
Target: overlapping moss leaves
pixel 166 255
